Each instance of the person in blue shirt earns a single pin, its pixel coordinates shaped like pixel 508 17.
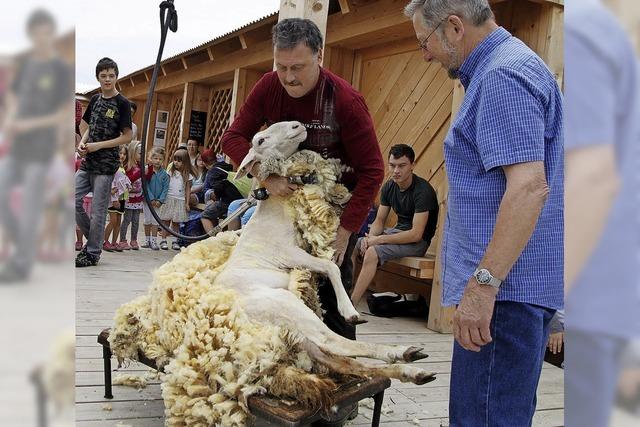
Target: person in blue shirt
pixel 502 250
pixel 602 204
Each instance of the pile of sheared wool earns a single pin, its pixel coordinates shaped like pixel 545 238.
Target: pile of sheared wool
pixel 58 376
pixel 213 356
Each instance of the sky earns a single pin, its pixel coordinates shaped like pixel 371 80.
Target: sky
pixel 134 37
pixel 128 31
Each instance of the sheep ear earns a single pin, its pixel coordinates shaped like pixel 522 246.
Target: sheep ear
pixel 247 164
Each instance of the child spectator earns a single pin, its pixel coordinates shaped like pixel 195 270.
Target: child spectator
pixel 157 188
pixel 176 208
pixel 197 188
pixel 106 124
pixel 134 127
pixel 133 205
pixel 556 335
pixel 217 188
pixel 193 149
pixel 119 193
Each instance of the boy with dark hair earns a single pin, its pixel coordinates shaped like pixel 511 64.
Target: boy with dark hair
pixel 414 201
pixel 37 105
pixel 105 126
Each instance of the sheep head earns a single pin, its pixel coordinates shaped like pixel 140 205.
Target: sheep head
pixel 280 140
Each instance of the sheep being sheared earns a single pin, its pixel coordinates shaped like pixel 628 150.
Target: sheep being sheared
pixel 225 318
pixel 267 250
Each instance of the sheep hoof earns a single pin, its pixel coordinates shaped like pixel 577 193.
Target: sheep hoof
pixel 413 353
pixel 356 320
pixel 423 378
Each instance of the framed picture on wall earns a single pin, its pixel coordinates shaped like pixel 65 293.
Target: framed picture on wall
pixel 162 119
pixel 159 137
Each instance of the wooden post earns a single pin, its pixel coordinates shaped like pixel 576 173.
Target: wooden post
pixel 551 42
pixel 243 81
pixel 185 114
pixel 441 318
pixel 315 10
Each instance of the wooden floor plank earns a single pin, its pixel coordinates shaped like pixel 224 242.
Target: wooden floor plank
pixel 121 277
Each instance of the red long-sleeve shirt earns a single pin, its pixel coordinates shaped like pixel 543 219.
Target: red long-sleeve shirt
pixel 338 125
pixel 134 174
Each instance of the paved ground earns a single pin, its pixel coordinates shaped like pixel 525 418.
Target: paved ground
pixel 123 276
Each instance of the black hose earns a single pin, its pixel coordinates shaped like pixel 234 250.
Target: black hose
pixel 168 21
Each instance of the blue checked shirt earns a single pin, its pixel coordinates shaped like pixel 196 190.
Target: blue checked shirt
pixel 511 113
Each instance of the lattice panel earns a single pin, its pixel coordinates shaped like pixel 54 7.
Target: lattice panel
pixel 217 117
pixel 173 129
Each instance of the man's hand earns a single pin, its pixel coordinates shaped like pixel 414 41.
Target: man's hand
pixel 279 186
pixel 555 342
pixel 473 316
pixel 155 203
pixel 364 245
pixel 340 245
pixel 82 149
pixel 368 242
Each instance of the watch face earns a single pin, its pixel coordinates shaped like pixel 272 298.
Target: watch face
pixel 483 276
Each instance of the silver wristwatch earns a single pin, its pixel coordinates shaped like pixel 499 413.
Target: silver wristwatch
pixel 484 277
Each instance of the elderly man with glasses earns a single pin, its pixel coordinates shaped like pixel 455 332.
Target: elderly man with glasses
pixel 503 242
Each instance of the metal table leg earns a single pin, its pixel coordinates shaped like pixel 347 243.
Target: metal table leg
pixel 106 356
pixel 377 409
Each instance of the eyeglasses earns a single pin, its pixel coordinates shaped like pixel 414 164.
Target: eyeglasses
pixel 423 45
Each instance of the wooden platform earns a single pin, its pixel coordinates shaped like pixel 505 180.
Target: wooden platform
pixel 123 276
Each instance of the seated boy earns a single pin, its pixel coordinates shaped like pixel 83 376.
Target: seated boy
pixel 415 203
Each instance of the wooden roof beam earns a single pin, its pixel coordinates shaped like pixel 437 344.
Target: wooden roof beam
pixel 184 63
pixel 164 72
pixel 344 6
pixel 210 53
pixel 146 76
pixel 380 15
pixel 131 80
pixel 253 55
pixel 243 41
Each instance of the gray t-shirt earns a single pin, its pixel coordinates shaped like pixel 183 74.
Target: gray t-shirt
pixel 419 197
pixel 41 89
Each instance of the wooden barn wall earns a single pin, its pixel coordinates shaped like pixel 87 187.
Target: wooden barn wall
pixel 412 104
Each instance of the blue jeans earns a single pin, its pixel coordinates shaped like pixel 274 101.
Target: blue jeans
pixel 593 367
pixel 93 228
pixel 497 386
pixel 244 219
pixel 22 227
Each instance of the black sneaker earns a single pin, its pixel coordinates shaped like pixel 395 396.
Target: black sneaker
pixel 85 259
pixel 9 273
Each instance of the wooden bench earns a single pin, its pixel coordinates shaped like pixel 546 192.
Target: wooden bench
pixel 409 275
pixel 413 275
pixel 270 408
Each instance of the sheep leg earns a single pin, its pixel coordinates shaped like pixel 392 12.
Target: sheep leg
pixel 301 259
pixel 349 366
pixel 280 307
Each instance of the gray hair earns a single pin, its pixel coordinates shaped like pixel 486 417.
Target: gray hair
pixel 289 32
pixel 434 11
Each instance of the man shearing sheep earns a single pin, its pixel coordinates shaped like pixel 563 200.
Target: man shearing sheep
pixel 338 126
